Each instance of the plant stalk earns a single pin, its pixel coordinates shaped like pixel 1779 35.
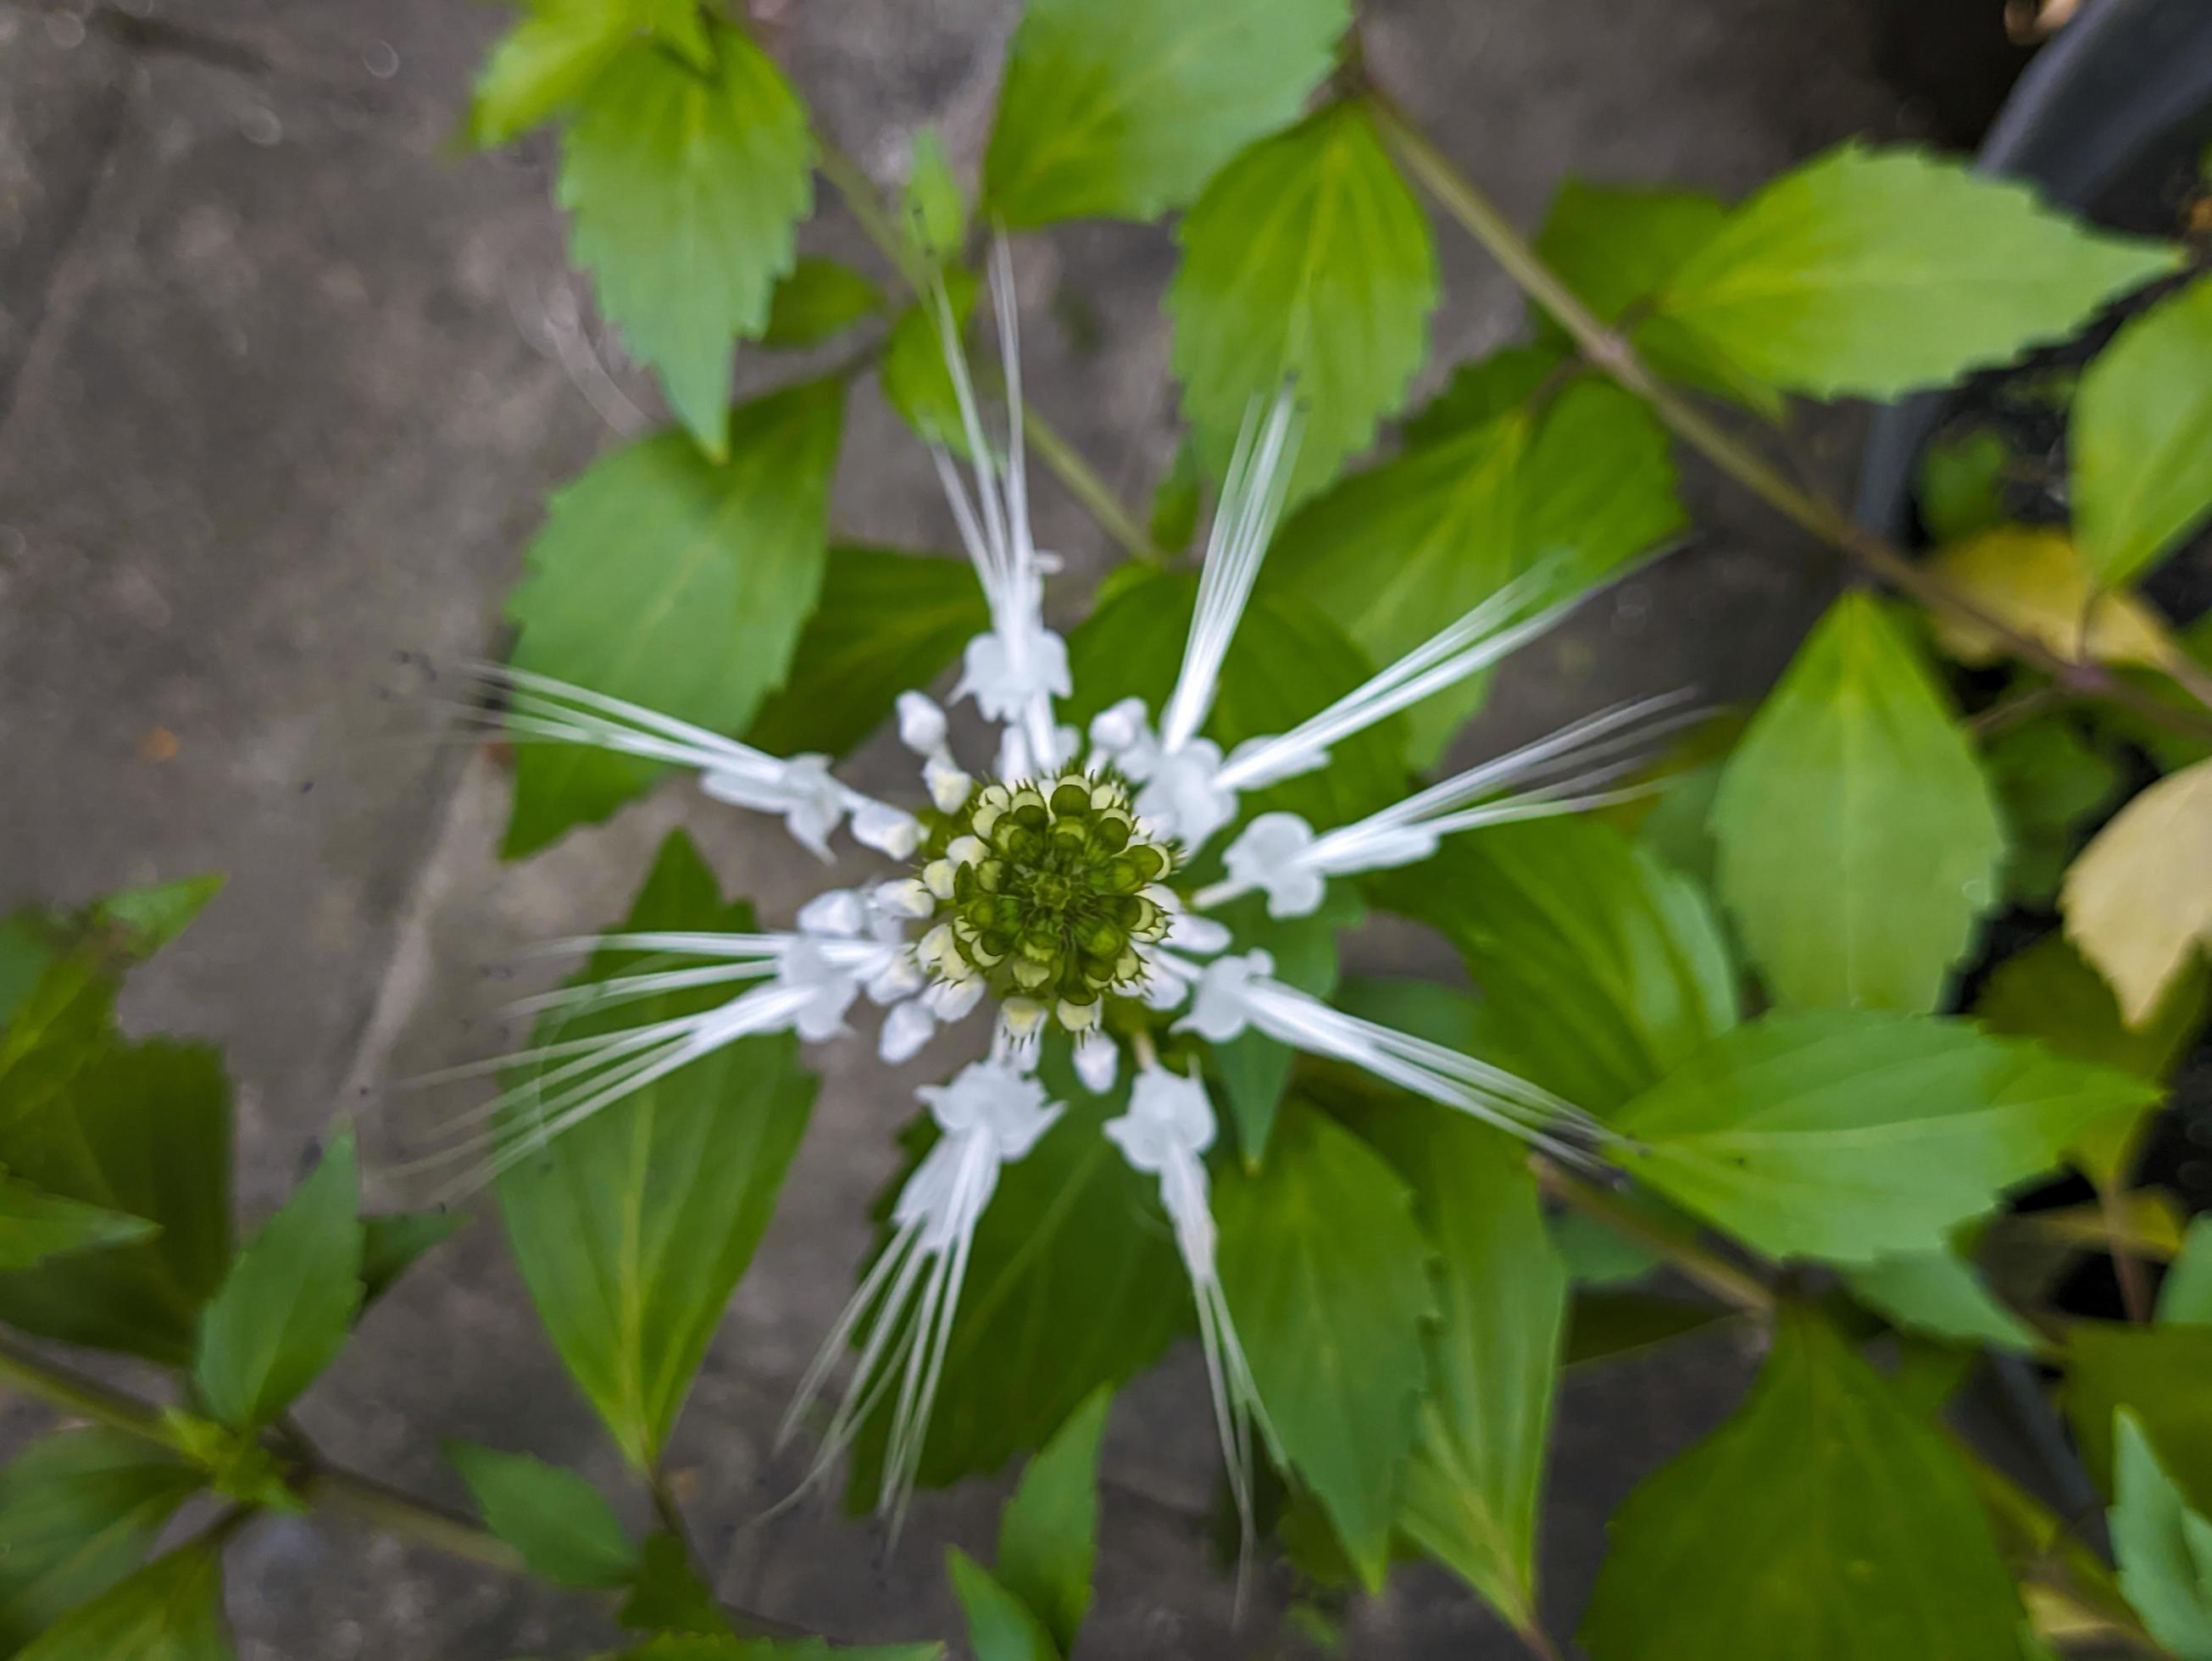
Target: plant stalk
pixel 851 182
pixel 1688 1254
pixel 1610 352
pixel 324 1487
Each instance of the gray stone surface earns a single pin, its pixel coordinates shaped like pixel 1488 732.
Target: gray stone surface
pixel 281 387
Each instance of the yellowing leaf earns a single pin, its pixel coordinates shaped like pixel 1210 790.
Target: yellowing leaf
pixel 2036 581
pixel 2139 900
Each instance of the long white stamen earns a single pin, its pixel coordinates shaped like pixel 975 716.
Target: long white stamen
pixel 1252 496
pixel 800 788
pixel 1492 631
pixel 628 988
pixel 1562 773
pixel 990 1115
pixel 1168 1127
pixel 1235 993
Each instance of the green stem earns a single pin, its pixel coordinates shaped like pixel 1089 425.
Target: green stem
pixel 851 182
pixel 1611 351
pixel 1687 1253
pixel 327 1487
pixel 79 1397
pixel 1083 483
pixel 367 1500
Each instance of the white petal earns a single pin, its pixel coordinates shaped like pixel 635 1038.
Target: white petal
pixel 1097 1061
pixel 907 1028
pixel 840 914
pixel 888 830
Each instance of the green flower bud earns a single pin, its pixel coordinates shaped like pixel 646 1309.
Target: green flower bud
pixel 1039 891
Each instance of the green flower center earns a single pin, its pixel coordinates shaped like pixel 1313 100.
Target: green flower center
pixel 1040 892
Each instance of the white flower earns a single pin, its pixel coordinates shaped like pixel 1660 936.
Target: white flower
pixel 1058 898
pixel 1166 1132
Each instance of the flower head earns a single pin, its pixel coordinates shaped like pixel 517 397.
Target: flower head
pixel 1058 895
pixel 1040 892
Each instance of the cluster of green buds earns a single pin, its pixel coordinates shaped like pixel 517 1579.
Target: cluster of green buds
pixel 1039 892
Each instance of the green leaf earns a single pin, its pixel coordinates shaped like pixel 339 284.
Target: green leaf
pixel 1585 480
pixel 1000 1627
pixel 2051 781
pixel 1308 261
pixel 146 1133
pixel 1123 112
pixel 889 621
pixel 1851 1135
pixel 1072 1284
pixel 2157 1373
pixel 1616 245
pixel 78 1510
pixel 550 57
pixel 667 1594
pixel 1607 968
pixel 632 1228
pixel 2185 1297
pixel 170 1610
pixel 685 187
pixel 816 299
pixel 1049 1532
pixel 696 610
pixel 1870 273
pixel 61 976
pixel 2141 437
pixel 1328 1279
pixel 2164 1547
pixel 1472 1490
pixel 1826 1521
pixel 286 1308
pixel 2049 994
pixel 1939 1294
pixel 1175 502
pixel 935 212
pixel 1959 485
pixel 1603 1326
pixel 1858 842
pixel 35 1226
pixel 390 1244
pixel 1480 390
pixel 563 1526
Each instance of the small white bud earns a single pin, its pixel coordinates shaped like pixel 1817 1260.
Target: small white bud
pixel 936 877
pixel 967 850
pixel 921 723
pixel 947 785
pixel 1097 1061
pixel 905 897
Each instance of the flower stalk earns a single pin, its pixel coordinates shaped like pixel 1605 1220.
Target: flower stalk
pixel 1613 354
